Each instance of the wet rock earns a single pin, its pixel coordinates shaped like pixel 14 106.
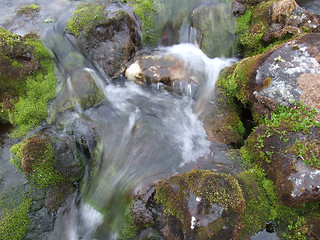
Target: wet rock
pixel 222 121
pixel 40 225
pixel 205 18
pixel 84 89
pixel 197 205
pixel 166 71
pixel 110 33
pixel 238 8
pixel 140 214
pixel 82 130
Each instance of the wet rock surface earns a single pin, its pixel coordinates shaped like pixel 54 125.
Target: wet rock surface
pixel 186 206
pixel 112 39
pixel 168 72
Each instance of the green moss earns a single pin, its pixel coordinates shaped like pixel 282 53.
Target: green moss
pixel 28 11
pixel 297 118
pixel 222 189
pixel 35 157
pixel 259 208
pixel 145 10
pixel 86 17
pixel 235 80
pixel 14 222
pixel 31 109
pixel 130 229
pixel 264 205
pixel 252 26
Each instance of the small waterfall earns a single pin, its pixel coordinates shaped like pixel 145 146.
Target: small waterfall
pixel 144 135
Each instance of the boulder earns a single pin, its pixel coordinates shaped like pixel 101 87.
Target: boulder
pixel 194 205
pixel 222 121
pixel 165 71
pixel 272 22
pixel 286 146
pixel 109 32
pixel 238 8
pixel 290 73
pixel 84 88
pixel 217 28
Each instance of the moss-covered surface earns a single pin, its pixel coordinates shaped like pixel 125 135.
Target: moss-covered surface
pixel 235 87
pixel 14 222
pixel 86 18
pixel 145 10
pixel 221 189
pixel 285 122
pixel 263 204
pixel 253 26
pixel 35 156
pixel 28 11
pixel 27 80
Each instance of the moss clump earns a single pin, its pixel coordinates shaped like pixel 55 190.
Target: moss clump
pixel 27 80
pixel 145 10
pixel 28 11
pixel 260 199
pixel 221 189
pixel 86 17
pixel 35 156
pixel 14 222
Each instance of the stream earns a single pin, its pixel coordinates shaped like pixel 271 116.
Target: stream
pixel 144 134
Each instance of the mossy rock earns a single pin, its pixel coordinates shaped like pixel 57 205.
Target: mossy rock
pixel 83 90
pixel 256 28
pixel 27 80
pixel 109 32
pixel 222 121
pixel 286 146
pixel 35 157
pixel 188 198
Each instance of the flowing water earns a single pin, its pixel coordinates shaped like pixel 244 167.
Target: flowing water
pixel 144 134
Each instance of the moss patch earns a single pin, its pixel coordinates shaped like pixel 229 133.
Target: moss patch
pixel 28 11
pixel 145 10
pixel 35 156
pixel 14 222
pixel 27 80
pixel 86 17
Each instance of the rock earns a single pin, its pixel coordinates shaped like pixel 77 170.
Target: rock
pixel 217 28
pixel 109 32
pixel 83 89
pixel 289 74
pixel 165 71
pixel 271 22
pixel 238 8
pixel 196 205
pixel 222 121
pixel 287 147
